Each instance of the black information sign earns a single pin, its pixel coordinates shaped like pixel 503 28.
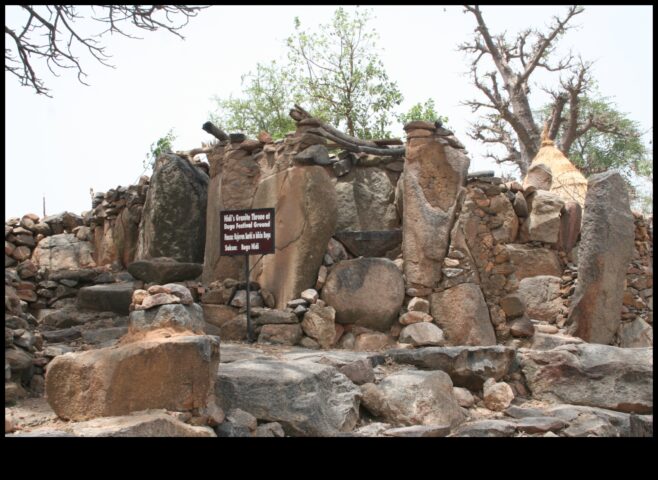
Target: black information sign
pixel 246 232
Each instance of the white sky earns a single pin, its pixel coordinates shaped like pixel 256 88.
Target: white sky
pixel 97 137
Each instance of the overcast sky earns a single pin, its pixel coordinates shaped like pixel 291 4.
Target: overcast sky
pixel 98 136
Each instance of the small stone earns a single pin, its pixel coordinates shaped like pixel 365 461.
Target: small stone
pixel 422 334
pixel 272 429
pixel 463 396
pixel 308 342
pixel 419 305
pixel 497 396
pixel 415 317
pixel 241 418
pixel 512 305
pixel 359 372
pixel 310 295
pixel 522 327
pixel 546 328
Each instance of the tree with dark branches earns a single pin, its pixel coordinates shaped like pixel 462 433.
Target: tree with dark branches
pixel 510 120
pixel 50 33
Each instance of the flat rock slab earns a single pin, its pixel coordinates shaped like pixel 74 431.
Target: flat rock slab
pixel 114 297
pixel 593 375
pixel 163 270
pixel 234 352
pixel 539 424
pixel 370 243
pixel 419 431
pixel 468 367
pixel 174 373
pixel 485 428
pixel 147 424
pixel 306 398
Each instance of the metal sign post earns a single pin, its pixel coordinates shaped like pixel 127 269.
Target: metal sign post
pixel 246 232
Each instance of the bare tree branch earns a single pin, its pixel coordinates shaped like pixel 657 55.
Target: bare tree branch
pixel 62 36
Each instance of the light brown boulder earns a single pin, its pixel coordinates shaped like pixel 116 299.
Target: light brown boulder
pixel 433 178
pixel 176 373
pixel 367 292
pixel 497 396
pixel 372 342
pixel 415 317
pixel 413 398
pixel 305 203
pixel 422 335
pixel 541 295
pixel 283 334
pixel 530 262
pixel 544 219
pixel 462 314
pixel 63 252
pixel 319 324
pixel 218 315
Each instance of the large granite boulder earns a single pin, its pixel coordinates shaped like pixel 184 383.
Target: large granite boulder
pixel 462 314
pixel 305 203
pixel 606 248
pixel 593 375
pixel 306 398
pixel 175 373
pixel 63 252
pixel 413 398
pixel 163 270
pixel 174 220
pixel 366 291
pixel 434 175
pixel 365 201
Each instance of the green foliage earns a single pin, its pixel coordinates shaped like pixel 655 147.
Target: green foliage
pixel 341 76
pixel 422 111
pixel 619 148
pixel 160 146
pixel 267 95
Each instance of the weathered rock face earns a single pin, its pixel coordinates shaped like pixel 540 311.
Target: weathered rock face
pixel 63 251
pixel 172 373
pixel 606 248
pixel 412 398
pixel 468 367
pixel 306 398
pixel 593 375
pixel 367 292
pixel 462 314
pixel 365 201
pixel 530 262
pixel 163 270
pixel 433 179
pixel 283 334
pixel 635 334
pixel 305 204
pixel 174 220
pixel 541 295
pixel 234 176
pixel 543 224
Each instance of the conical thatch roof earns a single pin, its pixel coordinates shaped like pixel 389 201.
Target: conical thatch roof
pixel 568 182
